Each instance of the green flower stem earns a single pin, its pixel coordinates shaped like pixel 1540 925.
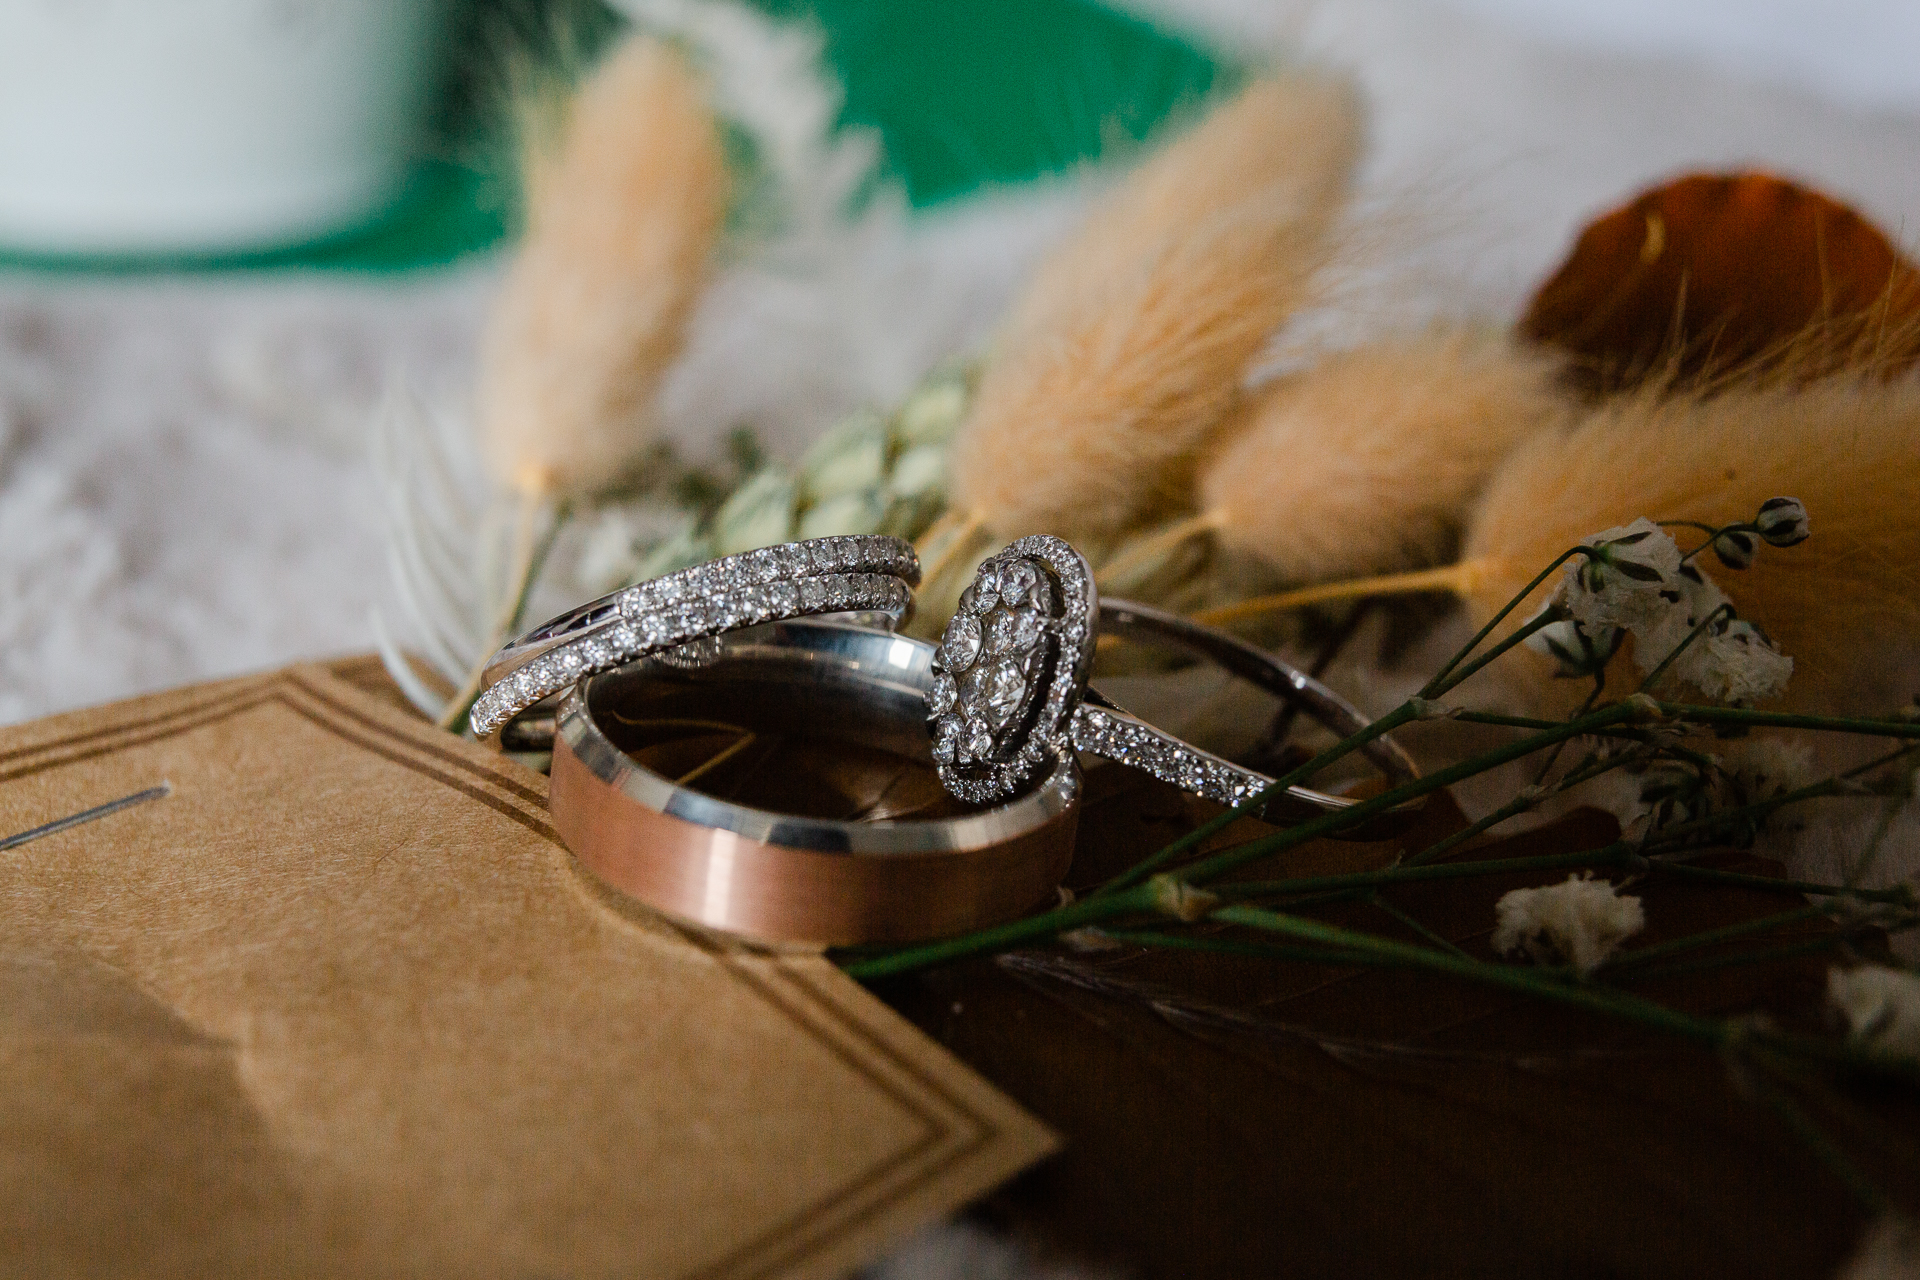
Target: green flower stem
pixel 1766 955
pixel 1746 928
pixel 1439 686
pixel 1218 945
pixel 1618 854
pixel 1519 804
pixel 1527 981
pixel 1193 839
pixel 1808 1131
pixel 1432 938
pixel 1139 899
pixel 1901 896
pixel 1220 863
pixel 1725 610
pixel 1694 713
pixel 1433 685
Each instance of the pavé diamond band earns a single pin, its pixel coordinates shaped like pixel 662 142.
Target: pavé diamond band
pixel 869 573
pixel 1010 692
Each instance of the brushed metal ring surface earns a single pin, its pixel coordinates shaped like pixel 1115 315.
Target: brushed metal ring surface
pixel 784 876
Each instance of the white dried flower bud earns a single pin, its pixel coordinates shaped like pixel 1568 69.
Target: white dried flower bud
pixel 1581 921
pixel 1577 650
pixel 1881 1006
pixel 1735 548
pixel 1782 522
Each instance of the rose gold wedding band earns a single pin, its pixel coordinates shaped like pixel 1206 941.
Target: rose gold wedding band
pixel 780 876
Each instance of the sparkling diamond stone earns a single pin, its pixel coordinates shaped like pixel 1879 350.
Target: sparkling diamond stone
pixel 962 643
pixel 946 738
pixel 941 694
pixel 1012 631
pixel 813 593
pixel 1004 692
pixel 979 738
pixel 1017 578
pixel 784 596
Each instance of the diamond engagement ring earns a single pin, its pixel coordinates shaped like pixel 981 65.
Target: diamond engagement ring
pixel 1010 696
pixel 868 573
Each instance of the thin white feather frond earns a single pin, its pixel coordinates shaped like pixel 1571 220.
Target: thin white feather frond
pixel 434 506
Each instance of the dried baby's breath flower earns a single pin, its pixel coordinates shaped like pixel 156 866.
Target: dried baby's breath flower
pixel 1735 548
pixel 1782 522
pixel 1577 650
pixel 1881 1006
pixel 1580 921
pixel 1760 768
pixel 1629 579
pixel 1634 580
pixel 1735 662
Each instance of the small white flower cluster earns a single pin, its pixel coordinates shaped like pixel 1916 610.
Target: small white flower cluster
pixel 1881 1005
pixel 1744 772
pixel 1581 921
pixel 1634 581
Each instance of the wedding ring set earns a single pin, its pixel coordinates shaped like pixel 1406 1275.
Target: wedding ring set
pixel 673 694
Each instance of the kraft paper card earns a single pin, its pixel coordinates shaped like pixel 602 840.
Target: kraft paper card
pixel 340 1004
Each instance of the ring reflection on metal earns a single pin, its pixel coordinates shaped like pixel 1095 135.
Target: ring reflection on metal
pixel 1010 693
pixel 868 573
pixel 785 876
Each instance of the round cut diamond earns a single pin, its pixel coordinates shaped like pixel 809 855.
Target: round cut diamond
pixel 979 738
pixel 962 643
pixel 941 694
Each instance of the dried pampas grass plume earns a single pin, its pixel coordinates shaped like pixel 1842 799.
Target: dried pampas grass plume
pixel 1370 461
pixel 622 217
pixel 1844 605
pixel 1131 341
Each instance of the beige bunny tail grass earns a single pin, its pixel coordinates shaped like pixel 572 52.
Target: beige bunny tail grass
pixel 1130 343
pixel 1844 605
pixel 622 220
pixel 1369 461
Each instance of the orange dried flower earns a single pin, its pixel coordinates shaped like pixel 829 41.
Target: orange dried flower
pixel 1718 274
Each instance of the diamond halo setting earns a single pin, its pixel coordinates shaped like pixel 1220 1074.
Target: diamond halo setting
pixel 1010 669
